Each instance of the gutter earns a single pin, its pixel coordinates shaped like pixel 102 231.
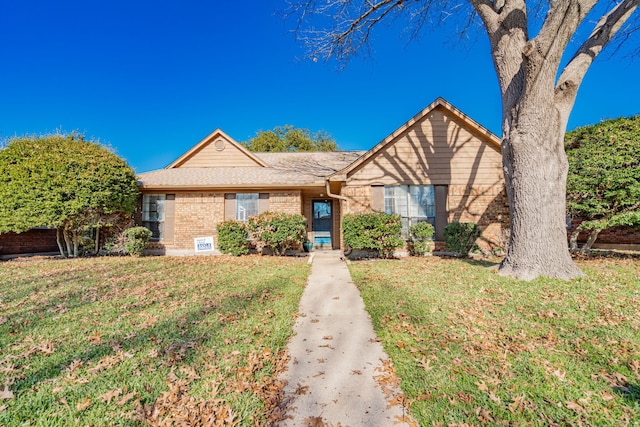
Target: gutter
pixel 341 198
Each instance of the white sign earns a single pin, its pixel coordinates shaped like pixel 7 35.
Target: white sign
pixel 203 244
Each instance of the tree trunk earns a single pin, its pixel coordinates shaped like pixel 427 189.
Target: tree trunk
pixel 68 243
pixel 59 242
pixel 535 168
pixel 593 235
pixel 573 240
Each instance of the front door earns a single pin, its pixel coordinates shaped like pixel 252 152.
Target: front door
pixel 321 227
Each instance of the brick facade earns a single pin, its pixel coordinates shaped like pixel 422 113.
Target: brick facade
pixel 486 206
pixel 32 241
pixel 197 214
pixel 612 237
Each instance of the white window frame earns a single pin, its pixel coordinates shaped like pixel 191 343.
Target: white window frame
pixel 403 200
pixel 153 214
pixel 247 205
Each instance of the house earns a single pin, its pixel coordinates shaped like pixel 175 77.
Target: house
pixel 440 166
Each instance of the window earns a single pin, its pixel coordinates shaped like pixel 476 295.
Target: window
pixel 246 206
pixel 153 214
pixel 414 203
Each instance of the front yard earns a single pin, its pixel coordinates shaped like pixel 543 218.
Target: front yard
pixel 134 341
pixel 473 348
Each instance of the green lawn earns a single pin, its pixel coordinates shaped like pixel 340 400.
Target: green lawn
pixel 473 348
pixel 133 341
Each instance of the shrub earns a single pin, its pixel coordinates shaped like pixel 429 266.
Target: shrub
pixel 278 230
pixel 373 231
pixel 419 236
pixel 460 237
pixel 233 238
pixel 136 239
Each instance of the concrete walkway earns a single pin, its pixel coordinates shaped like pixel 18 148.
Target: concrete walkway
pixel 338 374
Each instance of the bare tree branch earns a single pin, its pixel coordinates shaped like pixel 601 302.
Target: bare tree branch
pixel 606 28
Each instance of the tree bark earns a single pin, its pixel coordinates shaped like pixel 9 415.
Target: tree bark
pixel 535 167
pixel 573 240
pixel 593 236
pixel 59 242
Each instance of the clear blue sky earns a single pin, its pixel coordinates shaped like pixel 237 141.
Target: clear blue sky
pixel 152 78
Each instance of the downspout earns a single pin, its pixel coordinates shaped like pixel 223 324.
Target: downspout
pixel 342 199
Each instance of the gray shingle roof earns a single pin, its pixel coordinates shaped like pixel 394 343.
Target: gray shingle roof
pixel 284 169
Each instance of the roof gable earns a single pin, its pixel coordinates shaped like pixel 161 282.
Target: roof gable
pixel 217 150
pixel 439 104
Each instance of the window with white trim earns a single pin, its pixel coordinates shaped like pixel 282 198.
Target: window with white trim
pixel 246 206
pixel 414 203
pixel 153 214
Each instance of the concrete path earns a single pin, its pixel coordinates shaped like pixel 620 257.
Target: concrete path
pixel 338 374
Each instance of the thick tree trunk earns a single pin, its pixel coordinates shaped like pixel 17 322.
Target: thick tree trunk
pixel 535 169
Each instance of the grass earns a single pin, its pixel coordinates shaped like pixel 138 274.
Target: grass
pixel 141 341
pixel 474 348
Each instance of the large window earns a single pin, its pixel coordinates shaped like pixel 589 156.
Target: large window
pixel 414 203
pixel 246 206
pixel 153 214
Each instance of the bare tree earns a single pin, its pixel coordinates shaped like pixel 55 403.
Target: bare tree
pixel 538 92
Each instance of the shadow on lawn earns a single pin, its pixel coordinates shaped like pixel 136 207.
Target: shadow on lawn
pixel 176 339
pixel 630 392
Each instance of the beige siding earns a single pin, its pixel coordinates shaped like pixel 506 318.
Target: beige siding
pixel 439 149
pixel 218 153
pixel 442 150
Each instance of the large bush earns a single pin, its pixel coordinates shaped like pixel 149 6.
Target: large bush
pixel 460 237
pixel 63 182
pixel 278 230
pixel 420 234
pixel 603 184
pixel 136 239
pixel 233 238
pixel 373 231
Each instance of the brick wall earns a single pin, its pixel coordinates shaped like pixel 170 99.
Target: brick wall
pixel 197 214
pixel 32 241
pixel 611 236
pixel 487 206
pixel 360 199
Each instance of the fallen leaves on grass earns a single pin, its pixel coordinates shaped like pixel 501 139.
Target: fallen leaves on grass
pixel 177 407
pixel 6 393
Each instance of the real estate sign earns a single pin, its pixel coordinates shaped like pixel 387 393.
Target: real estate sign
pixel 203 244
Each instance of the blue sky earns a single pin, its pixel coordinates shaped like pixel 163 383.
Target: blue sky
pixel 152 78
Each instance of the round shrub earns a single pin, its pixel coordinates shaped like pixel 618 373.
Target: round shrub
pixel 233 238
pixel 373 231
pixel 420 234
pixel 278 230
pixel 136 239
pixel 460 237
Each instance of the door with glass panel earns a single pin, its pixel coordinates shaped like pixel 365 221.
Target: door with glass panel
pixel 321 225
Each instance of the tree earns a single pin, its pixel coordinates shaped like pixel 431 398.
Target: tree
pixel 288 138
pixel 603 186
pixel 538 75
pixel 63 182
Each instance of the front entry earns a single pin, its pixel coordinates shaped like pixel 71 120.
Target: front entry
pixel 322 222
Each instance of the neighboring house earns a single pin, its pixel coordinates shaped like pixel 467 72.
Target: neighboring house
pixel 440 166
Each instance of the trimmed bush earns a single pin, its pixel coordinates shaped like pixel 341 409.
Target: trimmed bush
pixel 460 237
pixel 420 235
pixel 136 239
pixel 278 230
pixel 373 231
pixel 233 238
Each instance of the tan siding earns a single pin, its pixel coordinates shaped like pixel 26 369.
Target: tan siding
pixel 439 150
pixel 209 156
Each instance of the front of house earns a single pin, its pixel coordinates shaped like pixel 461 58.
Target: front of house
pixel 440 167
